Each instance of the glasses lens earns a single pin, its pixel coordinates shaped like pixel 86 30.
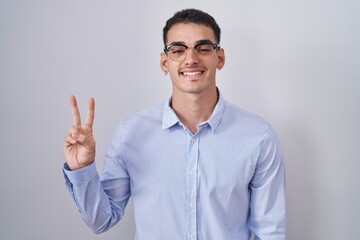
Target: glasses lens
pixel 204 50
pixel 177 52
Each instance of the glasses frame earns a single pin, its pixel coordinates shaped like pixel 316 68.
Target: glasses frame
pixel 167 48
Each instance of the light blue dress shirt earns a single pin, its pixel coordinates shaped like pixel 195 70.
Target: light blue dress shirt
pixel 222 183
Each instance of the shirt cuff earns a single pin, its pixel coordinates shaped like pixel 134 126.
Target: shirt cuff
pixel 81 175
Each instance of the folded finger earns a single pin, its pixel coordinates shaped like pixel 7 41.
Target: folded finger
pixel 75 132
pixel 69 140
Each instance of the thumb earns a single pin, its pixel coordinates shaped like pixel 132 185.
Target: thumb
pixel 87 141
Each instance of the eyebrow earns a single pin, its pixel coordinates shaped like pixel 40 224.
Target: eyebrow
pixel 196 43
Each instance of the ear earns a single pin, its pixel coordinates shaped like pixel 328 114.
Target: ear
pixel 221 58
pixel 163 62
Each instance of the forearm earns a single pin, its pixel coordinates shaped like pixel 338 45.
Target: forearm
pixel 96 209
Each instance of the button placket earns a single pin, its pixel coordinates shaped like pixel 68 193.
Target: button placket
pixel 192 186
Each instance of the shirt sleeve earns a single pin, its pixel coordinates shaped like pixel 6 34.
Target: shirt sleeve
pixel 101 203
pixel 267 187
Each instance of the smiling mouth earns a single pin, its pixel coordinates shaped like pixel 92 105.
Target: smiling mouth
pixel 193 73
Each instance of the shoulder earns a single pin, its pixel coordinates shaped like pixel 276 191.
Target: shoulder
pixel 241 118
pixel 251 128
pixel 147 117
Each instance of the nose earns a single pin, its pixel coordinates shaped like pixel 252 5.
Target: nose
pixel 191 56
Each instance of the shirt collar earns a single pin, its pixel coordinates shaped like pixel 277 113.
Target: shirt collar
pixel 170 118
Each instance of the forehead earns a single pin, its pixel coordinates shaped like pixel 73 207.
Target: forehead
pixel 189 33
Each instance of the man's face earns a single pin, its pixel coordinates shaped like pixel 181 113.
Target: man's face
pixel 193 74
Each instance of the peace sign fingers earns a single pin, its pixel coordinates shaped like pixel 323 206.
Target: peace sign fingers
pixel 90 114
pixel 75 111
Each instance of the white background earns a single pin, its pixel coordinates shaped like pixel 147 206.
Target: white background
pixel 295 63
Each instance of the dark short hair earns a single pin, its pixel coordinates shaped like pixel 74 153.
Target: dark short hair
pixel 192 16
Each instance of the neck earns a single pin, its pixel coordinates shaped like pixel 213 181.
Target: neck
pixel 193 109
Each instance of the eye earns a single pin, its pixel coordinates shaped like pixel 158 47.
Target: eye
pixel 204 48
pixel 177 49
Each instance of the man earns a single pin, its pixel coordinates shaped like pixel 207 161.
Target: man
pixel 196 167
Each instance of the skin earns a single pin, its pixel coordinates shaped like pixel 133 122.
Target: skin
pixel 79 144
pixel 194 97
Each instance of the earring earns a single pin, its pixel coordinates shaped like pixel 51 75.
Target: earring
pixel 166 72
pixel 218 68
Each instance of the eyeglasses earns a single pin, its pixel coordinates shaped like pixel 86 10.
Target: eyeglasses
pixel 177 51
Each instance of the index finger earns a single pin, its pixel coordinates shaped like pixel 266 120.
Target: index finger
pixel 90 114
pixel 75 111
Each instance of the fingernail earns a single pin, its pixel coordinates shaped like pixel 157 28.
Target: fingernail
pixel 75 135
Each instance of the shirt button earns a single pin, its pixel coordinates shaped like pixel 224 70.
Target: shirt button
pixel 192 140
pixel 191 205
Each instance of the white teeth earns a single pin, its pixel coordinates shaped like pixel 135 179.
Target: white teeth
pixel 191 73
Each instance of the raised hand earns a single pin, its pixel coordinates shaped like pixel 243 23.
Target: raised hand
pixel 79 144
